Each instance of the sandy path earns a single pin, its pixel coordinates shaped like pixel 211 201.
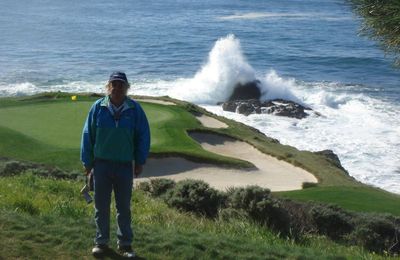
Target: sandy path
pixel 269 173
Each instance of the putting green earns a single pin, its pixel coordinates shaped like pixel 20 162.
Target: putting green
pixel 50 132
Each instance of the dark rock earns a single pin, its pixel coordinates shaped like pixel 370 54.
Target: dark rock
pixel 332 157
pixel 249 90
pixel 279 107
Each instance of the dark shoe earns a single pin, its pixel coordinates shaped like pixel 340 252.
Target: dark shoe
pixel 99 250
pixel 126 251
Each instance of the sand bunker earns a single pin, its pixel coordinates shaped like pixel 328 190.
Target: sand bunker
pixel 211 122
pixel 269 172
pixel 157 101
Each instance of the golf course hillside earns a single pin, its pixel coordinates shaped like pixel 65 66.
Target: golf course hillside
pixel 212 188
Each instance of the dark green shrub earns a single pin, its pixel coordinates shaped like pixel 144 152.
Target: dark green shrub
pixel 13 168
pixel 161 186
pixel 156 187
pixel 261 207
pixel 332 221
pixel 195 196
pixel 307 185
pixel 377 233
pixel 301 222
pixel 227 214
pixel 144 186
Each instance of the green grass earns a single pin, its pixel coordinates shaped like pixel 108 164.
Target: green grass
pixel 47 219
pixel 49 131
pixel 363 199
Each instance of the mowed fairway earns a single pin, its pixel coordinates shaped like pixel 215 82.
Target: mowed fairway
pixel 50 132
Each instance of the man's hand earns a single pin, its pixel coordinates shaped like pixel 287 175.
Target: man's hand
pixel 138 170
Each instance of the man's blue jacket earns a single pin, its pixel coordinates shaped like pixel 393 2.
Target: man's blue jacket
pixel 113 136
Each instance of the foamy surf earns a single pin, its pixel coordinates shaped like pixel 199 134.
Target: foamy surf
pixel 271 15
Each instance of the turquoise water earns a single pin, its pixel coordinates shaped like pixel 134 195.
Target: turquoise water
pixel 307 51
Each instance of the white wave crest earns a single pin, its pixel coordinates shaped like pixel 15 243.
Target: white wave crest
pixel 226 67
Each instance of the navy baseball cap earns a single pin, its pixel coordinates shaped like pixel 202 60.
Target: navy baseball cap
pixel 118 75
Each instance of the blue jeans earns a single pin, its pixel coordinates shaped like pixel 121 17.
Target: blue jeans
pixel 108 176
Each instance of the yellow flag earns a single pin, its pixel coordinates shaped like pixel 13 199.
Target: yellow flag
pixel 73 98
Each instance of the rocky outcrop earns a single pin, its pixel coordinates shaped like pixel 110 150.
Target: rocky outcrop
pixel 332 157
pixel 279 107
pixel 245 100
pixel 247 91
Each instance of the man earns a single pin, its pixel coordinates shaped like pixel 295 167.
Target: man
pixel 116 132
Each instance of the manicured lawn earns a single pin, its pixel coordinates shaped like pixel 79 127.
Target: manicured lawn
pixel 50 132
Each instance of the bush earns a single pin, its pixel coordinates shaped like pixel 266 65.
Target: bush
pixel 332 221
pixel 161 186
pixel 261 207
pixel 227 214
pixel 195 196
pixel 156 187
pixel 307 185
pixel 144 186
pixel 301 222
pixel 377 233
pixel 13 168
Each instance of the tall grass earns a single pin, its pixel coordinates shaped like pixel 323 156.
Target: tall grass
pixel 46 218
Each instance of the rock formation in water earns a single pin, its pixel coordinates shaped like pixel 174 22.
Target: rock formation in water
pixel 245 100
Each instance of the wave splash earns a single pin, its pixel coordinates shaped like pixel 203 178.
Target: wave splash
pixel 226 67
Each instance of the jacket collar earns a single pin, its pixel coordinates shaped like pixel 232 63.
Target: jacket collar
pixel 128 103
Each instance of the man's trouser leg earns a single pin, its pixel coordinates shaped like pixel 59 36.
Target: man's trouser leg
pixel 123 192
pixel 102 199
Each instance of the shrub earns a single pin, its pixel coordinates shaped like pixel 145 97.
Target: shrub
pixel 227 214
pixel 261 207
pixel 195 196
pixel 300 220
pixel 307 185
pixel 156 187
pixel 377 233
pixel 144 186
pixel 13 168
pixel 161 186
pixel 332 221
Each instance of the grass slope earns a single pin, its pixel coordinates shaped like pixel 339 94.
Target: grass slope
pixel 47 219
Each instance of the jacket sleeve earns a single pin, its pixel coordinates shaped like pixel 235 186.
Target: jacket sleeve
pixel 88 139
pixel 141 136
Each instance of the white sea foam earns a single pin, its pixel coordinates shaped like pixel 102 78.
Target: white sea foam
pixel 269 15
pixel 226 67
pixel 28 88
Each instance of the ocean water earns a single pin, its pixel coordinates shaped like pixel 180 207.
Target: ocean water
pixel 307 51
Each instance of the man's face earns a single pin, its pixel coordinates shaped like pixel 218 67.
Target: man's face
pixel 118 90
